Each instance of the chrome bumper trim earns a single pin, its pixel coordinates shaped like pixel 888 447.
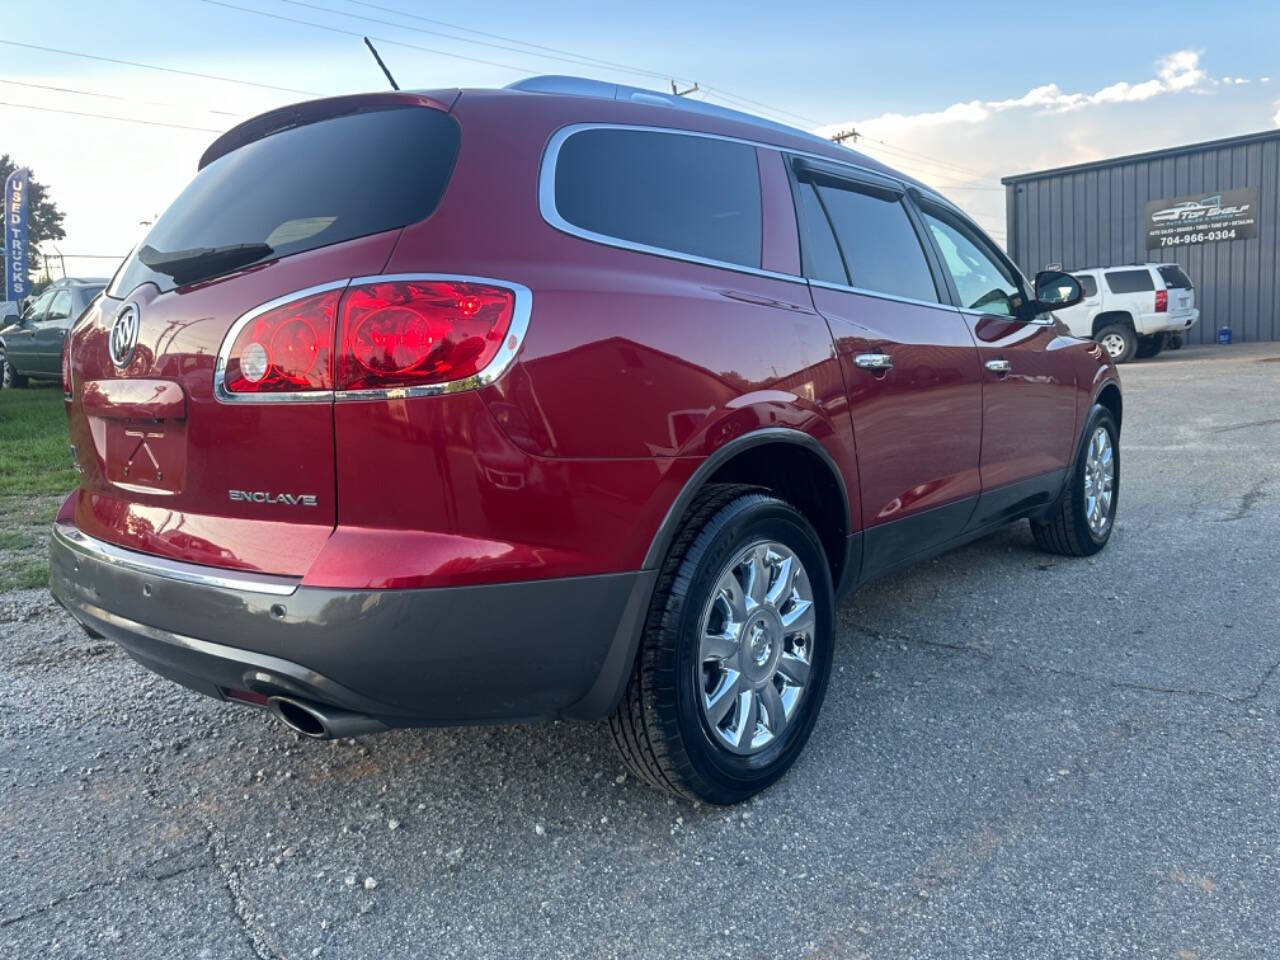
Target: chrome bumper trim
pixel 76 541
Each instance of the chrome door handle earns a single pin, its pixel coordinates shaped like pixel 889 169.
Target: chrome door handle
pixel 998 366
pixel 874 361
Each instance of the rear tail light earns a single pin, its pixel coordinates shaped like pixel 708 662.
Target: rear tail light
pixel 376 335
pixel 286 349
pixel 419 332
pixel 1162 301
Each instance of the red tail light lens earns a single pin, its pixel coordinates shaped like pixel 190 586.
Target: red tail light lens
pixel 1162 301
pixel 286 349
pixel 419 332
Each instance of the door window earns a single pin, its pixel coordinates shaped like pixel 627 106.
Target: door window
pixel 60 308
pixel 983 279
pixel 36 308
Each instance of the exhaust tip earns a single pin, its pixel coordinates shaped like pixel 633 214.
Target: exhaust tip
pixel 300 717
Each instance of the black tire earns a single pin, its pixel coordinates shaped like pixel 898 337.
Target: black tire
pixel 1150 346
pixel 10 378
pixel 659 727
pixel 1174 342
pixel 1124 333
pixel 1066 530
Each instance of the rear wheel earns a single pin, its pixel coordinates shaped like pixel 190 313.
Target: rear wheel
pixel 1119 341
pixel 1081 523
pixel 736 654
pixel 12 378
pixel 1151 346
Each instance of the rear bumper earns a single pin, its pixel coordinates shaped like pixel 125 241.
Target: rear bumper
pixel 550 648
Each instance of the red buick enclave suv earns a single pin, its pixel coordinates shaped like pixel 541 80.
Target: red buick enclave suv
pixel 564 400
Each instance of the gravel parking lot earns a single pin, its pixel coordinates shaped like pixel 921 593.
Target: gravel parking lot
pixel 1020 756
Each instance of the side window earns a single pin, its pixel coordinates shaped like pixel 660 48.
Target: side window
pixel 1130 281
pixel 687 194
pixel 36 308
pixel 1088 285
pixel 60 308
pixel 819 255
pixel 880 247
pixel 985 282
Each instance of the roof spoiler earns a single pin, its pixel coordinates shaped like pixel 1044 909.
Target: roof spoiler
pixel 313 111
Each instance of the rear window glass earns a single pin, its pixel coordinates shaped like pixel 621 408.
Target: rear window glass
pixel 308 187
pixel 1175 278
pixel 1130 281
pixel 1088 285
pixel 685 194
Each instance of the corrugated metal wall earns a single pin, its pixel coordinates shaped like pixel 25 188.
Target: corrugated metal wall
pixel 1094 216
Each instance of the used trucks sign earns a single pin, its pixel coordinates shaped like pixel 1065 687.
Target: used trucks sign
pixel 1203 218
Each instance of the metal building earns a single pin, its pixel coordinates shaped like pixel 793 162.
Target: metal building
pixel 1212 207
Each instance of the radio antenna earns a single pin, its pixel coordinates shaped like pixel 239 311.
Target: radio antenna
pixel 374 50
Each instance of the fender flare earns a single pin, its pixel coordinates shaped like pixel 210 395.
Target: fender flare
pixel 666 532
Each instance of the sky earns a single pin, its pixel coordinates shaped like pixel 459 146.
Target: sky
pixel 957 95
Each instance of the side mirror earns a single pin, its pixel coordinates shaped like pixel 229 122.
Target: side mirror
pixel 1056 290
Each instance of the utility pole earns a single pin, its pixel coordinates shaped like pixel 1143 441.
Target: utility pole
pixel 843 135
pixel 683 93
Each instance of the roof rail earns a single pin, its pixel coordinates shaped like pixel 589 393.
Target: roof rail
pixel 599 89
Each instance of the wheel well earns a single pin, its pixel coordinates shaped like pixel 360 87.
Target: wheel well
pixel 1106 319
pixel 1109 397
pixel 804 479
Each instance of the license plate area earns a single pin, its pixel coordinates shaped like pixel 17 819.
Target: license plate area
pixel 146 455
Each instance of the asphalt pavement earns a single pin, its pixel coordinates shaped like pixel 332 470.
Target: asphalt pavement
pixel 1020 755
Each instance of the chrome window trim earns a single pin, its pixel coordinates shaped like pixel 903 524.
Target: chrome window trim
pixel 496 367
pixel 880 295
pixel 551 215
pixel 81 543
pixel 547 200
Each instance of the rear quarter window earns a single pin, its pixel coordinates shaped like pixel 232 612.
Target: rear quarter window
pixel 1129 281
pixel 310 186
pixel 1175 277
pixel 667 191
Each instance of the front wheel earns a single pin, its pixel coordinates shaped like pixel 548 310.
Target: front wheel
pixel 1081 523
pixel 11 377
pixel 736 653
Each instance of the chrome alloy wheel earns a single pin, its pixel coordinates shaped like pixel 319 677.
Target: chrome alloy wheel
pixel 1114 344
pixel 1099 481
pixel 756 647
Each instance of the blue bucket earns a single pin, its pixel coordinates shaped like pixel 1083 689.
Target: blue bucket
pixel 1224 336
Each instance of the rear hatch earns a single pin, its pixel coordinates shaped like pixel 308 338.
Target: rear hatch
pixel 284 211
pixel 1182 293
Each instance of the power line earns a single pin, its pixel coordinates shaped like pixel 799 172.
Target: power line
pixel 581 57
pixel 111 96
pixel 355 33
pixel 570 58
pixel 152 66
pixel 103 116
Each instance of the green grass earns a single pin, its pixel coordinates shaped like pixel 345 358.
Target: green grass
pixel 35 470
pixel 24 575
pixel 33 442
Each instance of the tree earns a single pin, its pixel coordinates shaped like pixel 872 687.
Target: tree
pixel 44 219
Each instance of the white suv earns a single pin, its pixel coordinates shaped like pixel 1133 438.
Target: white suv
pixel 1133 310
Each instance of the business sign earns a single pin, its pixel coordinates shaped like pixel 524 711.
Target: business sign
pixel 1203 218
pixel 16 190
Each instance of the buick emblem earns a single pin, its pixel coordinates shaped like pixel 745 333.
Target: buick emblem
pixel 124 336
